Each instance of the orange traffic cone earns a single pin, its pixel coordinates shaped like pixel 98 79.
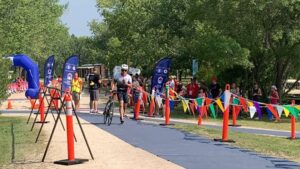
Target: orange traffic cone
pixel 34 106
pixel 9 104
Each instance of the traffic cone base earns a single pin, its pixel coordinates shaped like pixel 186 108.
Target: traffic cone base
pixel 231 125
pixel 170 124
pixel 290 138
pixel 9 105
pixel 224 141
pixel 71 162
pixel 42 122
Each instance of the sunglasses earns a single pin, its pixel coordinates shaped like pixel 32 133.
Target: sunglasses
pixel 123 70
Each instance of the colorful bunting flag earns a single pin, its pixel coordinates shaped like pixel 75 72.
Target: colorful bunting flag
pixel 158 100
pixel 250 104
pixel 199 101
pixel 286 112
pixel 172 105
pixel 243 103
pixel 219 103
pixel 237 110
pixel 273 111
pixel 212 109
pixel 199 110
pixel 184 105
pixel 292 110
pixel 204 111
pixel 222 97
pixel 227 97
pixel 279 110
pixel 258 110
pixel 192 107
pixel 235 101
pixel 252 110
pixel 207 101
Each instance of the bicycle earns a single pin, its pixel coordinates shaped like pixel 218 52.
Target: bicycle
pixel 108 112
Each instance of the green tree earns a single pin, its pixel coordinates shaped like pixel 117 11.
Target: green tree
pixel 268 29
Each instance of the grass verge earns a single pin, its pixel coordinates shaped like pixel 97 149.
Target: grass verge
pixel 283 124
pixel 267 145
pixel 17 141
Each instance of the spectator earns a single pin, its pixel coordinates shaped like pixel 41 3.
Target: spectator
pixel 193 88
pixel 76 90
pixel 182 91
pixel 257 94
pixel 94 86
pixel 179 87
pixel 274 97
pixel 171 82
pixel 233 88
pixel 202 94
pixel 215 89
pixel 59 79
pixel 172 87
pixel 238 91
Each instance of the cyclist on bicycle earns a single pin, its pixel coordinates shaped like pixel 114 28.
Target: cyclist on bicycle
pixel 123 81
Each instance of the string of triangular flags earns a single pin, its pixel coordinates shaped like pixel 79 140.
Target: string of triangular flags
pixel 203 104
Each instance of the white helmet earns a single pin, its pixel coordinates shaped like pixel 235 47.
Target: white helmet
pixel 124 67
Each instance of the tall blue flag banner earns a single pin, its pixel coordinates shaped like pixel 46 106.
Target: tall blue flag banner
pixel 160 74
pixel 49 70
pixel 69 69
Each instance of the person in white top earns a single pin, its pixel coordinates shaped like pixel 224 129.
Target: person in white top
pixel 123 81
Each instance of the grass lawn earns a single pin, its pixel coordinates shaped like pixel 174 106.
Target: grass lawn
pixel 24 146
pixel 283 124
pixel 267 145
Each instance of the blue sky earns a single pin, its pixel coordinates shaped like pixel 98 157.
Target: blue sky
pixel 78 14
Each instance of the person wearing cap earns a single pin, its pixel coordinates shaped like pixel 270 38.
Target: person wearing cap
pixel 274 97
pixel 123 81
pixel 76 88
pixel 94 86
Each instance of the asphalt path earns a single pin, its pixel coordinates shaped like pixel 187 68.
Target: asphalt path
pixel 185 149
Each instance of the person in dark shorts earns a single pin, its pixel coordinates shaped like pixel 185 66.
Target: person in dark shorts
pixel 123 81
pixel 215 91
pixel 94 86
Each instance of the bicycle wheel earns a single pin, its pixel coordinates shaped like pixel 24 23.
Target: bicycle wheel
pixel 105 112
pixel 110 114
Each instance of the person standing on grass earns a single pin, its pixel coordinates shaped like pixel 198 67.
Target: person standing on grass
pixel 193 88
pixel 76 88
pixel 274 99
pixel 215 91
pixel 202 94
pixel 233 88
pixel 257 94
pixel 94 86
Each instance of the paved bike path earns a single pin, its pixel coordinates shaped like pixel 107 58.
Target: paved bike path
pixel 186 149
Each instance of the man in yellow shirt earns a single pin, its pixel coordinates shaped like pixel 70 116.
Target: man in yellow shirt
pixel 76 89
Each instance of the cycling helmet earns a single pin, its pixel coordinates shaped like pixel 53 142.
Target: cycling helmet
pixel 124 67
